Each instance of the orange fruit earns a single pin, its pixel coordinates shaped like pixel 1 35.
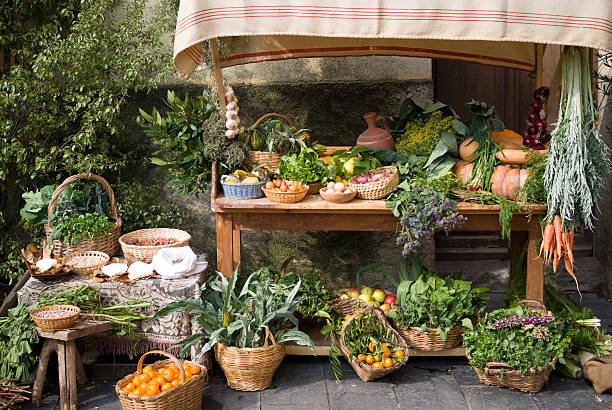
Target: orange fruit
pixel 149 370
pixel 126 390
pixel 195 369
pixel 361 357
pixel 152 389
pixel 394 362
pixel 166 386
pixel 384 344
pixel 387 362
pixel 142 378
pixel 175 382
pixel 399 353
pixel 143 386
pixel 137 391
pixel 159 380
pixel 378 365
pixel 377 357
pixel 168 374
pixel 369 359
pixel 130 386
pixel 371 346
pixel 386 351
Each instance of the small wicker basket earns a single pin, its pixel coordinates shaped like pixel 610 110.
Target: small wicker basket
pixel 313 188
pixel 55 323
pixel 378 189
pixel 185 396
pixel 106 243
pixel 268 160
pixel 250 369
pixel 133 252
pixel 286 197
pixel 85 263
pixel 532 381
pixel 242 190
pixel 430 341
pixel 365 372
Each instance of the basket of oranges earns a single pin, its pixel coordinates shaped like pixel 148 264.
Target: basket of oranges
pixel 164 385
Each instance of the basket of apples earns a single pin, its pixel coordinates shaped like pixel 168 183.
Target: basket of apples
pixel 286 192
pixel 337 192
pixel 352 299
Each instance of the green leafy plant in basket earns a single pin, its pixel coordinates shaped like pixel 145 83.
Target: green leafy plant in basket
pixel 304 167
pixel 438 303
pixel 239 315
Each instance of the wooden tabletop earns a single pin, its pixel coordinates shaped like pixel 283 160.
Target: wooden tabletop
pixel 316 204
pixel 80 329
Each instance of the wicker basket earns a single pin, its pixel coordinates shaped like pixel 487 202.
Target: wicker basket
pixel 54 323
pixel 250 369
pixel 185 396
pixel 145 254
pixel 266 159
pixel 242 190
pixel 350 306
pixel 532 381
pixel 106 243
pixel 87 262
pixel 314 188
pixel 378 189
pixel 286 197
pixel 430 341
pixel 365 372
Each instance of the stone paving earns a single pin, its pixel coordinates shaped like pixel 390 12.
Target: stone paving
pixel 423 383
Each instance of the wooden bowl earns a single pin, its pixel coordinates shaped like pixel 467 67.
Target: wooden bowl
pixel 336 197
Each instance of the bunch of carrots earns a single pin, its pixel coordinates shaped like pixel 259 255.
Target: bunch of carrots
pixel 557 243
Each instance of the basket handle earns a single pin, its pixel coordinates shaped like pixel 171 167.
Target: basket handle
pixel 170 356
pixel 353 317
pixel 538 304
pixel 497 364
pixel 74 178
pixel 269 336
pixel 263 117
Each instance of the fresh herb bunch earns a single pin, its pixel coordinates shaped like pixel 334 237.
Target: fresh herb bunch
pixel 578 164
pixel 439 303
pixel 422 134
pixel 304 167
pixel 421 209
pixel 238 316
pixel 523 347
pixel 82 197
pixel 353 161
pixel 275 136
pixel 71 229
pixel 18 337
pixel 315 297
pixel 190 137
pixel 534 191
pixel 483 120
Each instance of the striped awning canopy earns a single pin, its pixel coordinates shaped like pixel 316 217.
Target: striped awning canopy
pixel 495 32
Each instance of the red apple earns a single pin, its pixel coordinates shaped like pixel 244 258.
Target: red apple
pixel 390 299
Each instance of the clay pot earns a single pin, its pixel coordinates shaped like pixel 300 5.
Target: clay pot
pixel 375 136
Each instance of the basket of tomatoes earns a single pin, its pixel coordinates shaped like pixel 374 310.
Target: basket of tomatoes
pixel 164 385
pixel 286 192
pixel 372 347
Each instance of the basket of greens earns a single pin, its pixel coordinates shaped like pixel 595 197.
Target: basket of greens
pixel 84 224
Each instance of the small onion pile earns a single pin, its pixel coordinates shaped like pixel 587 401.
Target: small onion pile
pixel 537 134
pixel 367 178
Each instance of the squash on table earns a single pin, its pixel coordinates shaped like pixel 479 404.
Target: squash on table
pixel 508 180
pixel 463 171
pixel 506 139
pixel 516 156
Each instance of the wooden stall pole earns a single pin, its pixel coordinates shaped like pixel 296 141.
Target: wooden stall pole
pixel 216 73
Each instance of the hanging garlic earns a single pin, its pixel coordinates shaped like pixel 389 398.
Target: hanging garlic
pixel 231 114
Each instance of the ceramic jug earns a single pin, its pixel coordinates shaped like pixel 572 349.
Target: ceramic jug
pixel 375 136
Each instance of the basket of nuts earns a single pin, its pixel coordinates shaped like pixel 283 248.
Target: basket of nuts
pixel 55 317
pixel 143 244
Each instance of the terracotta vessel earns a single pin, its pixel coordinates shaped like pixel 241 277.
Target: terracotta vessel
pixel 375 136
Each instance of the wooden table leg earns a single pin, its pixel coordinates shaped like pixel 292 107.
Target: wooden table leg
pixel 236 233
pixel 225 248
pixel 80 369
pixel 63 381
pixel 535 266
pixel 71 374
pixel 48 347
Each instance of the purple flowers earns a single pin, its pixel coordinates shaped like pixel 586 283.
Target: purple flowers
pixel 520 321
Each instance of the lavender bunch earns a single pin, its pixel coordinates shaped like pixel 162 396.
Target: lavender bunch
pixel 520 321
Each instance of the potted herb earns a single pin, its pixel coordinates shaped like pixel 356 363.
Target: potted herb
pixel 433 312
pixel 247 325
pixel 517 347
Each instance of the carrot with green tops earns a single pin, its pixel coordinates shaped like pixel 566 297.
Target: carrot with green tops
pixel 558 231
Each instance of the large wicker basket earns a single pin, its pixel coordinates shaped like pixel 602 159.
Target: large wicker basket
pixel 365 372
pixel 268 160
pixel 430 341
pixel 378 189
pixel 286 197
pixel 185 396
pixel 532 381
pixel 107 243
pixel 250 369
pixel 133 252
pixel 350 306
pixel 55 323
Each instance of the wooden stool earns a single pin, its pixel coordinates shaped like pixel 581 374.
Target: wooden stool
pixel 69 363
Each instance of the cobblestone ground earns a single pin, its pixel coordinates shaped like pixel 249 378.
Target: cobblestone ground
pixel 423 383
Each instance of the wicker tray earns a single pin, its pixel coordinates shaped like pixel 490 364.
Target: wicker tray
pixel 145 254
pixel 365 372
pixel 250 369
pixel 106 243
pixel 286 197
pixel 378 189
pixel 54 323
pixel 242 190
pixel 185 396
pixel 94 260
pixel 532 381
pixel 430 341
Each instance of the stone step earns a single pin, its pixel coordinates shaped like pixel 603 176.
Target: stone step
pixel 471 254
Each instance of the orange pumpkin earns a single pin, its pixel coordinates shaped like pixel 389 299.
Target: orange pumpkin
pixel 508 180
pixel 463 171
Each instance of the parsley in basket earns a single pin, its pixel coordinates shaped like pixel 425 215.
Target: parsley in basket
pixel 72 228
